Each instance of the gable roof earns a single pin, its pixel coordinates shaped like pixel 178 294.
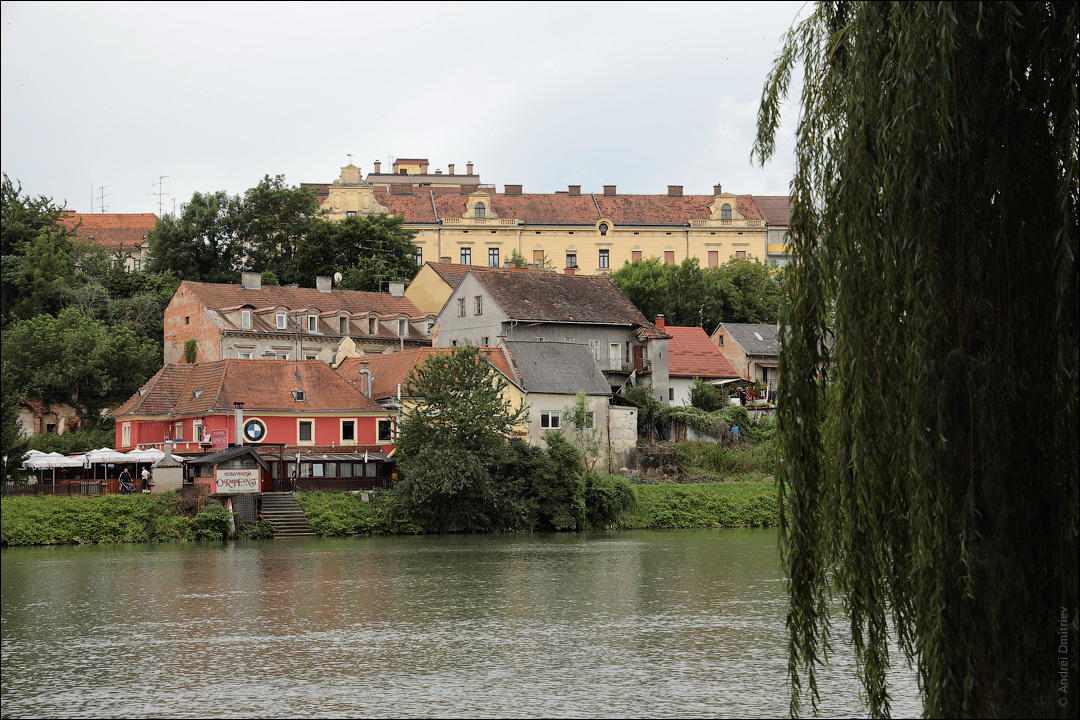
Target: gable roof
pixel 262 385
pixel 538 296
pixel 113 231
pixel 222 296
pixel 691 353
pixel 775 209
pixel 390 369
pixel 557 368
pixel 754 338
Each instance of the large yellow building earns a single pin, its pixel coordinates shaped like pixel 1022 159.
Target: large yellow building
pixel 459 220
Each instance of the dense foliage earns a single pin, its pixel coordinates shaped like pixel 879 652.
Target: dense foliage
pixel 931 459
pixel 741 290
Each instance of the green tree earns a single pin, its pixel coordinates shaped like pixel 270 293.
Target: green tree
pixel 273 221
pixel 453 437
pixel 586 436
pixel 368 251
pixel 930 457
pixel 203 243
pixel 558 486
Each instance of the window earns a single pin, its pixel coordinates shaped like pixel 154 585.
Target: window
pixel 605 260
pixel 348 432
pixel 478 305
pixel 402 328
pixel 571 260
pixel 125 432
pixel 484 341
pixel 178 431
pixel 603 228
pixel 281 356
pixel 343 325
pixel 350 213
pixel 187 319
pixel 372 326
pixel 671 394
pixel 635 255
pixel 312 323
pixel 386 430
pixel 466 256
pixel 197 431
pixel 538 257
pixel 244 354
pixel 305 432
pixel 281 319
pixel 245 319
pixel 311 356
pixel 479 211
pixel 740 254
pixel 721 339
pixel 461 307
pixel 418 256
pixel 552 420
pixel 669 257
pixel 714 258
pixel 427 327
pixel 493 257
pixel 725 212
pixel 627 360
pixel 594 345
pixel 590 421
pixel 299 395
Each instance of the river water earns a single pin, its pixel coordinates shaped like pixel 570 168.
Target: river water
pixel 631 624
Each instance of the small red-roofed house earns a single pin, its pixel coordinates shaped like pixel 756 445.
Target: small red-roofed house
pixel 692 355
pixel 281 407
pixel 124 234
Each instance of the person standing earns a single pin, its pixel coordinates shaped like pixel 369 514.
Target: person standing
pixel 126 485
pixel 145 479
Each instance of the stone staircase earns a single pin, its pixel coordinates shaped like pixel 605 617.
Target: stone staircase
pixel 283 512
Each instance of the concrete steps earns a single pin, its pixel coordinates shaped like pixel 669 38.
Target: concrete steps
pixel 283 512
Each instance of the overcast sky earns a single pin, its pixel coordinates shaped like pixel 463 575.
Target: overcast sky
pixel 215 96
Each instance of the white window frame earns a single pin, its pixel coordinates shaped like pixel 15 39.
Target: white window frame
pixel 551 420
pixel 244 354
pixel 197 431
pixel 478 305
pixel 299 423
pixel 245 319
pixel 571 259
pixel 355 431
pixel 384 431
pixel 605 259
pixel 493 257
pixel 178 431
pixel 282 321
pixel 466 256
pixel 312 323
pixel 402 327
pixel 125 434
pixel 461 307
pixel 343 325
pixel 594 345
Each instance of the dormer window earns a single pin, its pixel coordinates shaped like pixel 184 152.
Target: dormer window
pixel 603 228
pixel 725 212
pixel 479 210
pixel 372 325
pixel 298 395
pixel 245 319
pixel 313 323
pixel 402 328
pixel 343 325
pixel 282 320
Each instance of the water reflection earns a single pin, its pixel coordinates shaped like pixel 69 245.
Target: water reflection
pixel 661 624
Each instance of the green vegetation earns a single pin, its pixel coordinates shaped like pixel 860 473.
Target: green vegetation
pixel 63 519
pixel 931 474
pixel 741 290
pixel 701 505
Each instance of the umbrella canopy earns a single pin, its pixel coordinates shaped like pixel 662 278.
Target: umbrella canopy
pixel 105 455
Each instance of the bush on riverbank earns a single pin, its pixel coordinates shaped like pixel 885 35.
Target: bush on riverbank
pixel 699 505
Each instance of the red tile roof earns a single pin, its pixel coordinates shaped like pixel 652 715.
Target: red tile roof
pixel 113 231
pixel 262 385
pixel 218 296
pixel 692 354
pixel 775 209
pixel 390 369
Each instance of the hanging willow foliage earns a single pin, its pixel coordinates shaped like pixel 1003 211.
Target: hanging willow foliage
pixel 928 430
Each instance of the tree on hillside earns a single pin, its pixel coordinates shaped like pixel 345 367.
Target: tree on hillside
pixel 452 441
pixel 273 221
pixel 203 243
pixel 368 251
pixel 930 457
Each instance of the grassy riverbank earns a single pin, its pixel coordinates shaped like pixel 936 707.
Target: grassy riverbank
pixel 49 520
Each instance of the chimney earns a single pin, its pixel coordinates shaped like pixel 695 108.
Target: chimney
pixel 251 280
pixel 571 271
pixel 397 289
pixel 378 167
pixel 423 168
pixel 674 190
pixel 660 322
pixel 451 168
pixel 322 284
pixel 513 189
pixel 609 191
pixel 238 431
pixel 717 189
pixel 468 167
pixel 364 371
pixel 575 190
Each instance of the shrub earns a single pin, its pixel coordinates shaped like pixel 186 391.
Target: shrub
pixel 607 497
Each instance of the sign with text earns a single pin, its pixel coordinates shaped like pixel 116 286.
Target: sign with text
pixel 219 440
pixel 237 480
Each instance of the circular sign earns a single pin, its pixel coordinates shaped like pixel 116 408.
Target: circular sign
pixel 254 430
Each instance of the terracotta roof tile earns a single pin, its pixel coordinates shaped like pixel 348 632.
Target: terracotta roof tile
pixel 692 354
pixel 113 231
pixel 219 296
pixel 390 369
pixel 262 385
pixel 775 209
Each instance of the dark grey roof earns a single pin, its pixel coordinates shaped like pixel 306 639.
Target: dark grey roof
pixel 755 338
pixel 229 454
pixel 557 367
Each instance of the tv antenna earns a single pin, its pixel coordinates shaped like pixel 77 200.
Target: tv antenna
pixel 160 192
pixel 101 199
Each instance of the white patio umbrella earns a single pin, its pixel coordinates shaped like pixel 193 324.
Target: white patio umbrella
pixel 104 456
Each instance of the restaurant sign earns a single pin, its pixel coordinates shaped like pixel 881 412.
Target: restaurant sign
pixel 237 480
pixel 219 440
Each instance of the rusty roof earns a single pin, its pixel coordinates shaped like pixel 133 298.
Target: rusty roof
pixel 775 209
pixel 262 385
pixel 219 296
pixel 390 369
pixel 113 231
pixel 691 353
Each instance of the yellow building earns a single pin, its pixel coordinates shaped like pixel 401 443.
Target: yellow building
pixel 459 220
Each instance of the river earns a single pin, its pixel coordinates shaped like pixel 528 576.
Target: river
pixel 631 624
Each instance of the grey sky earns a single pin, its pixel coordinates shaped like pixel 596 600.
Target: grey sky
pixel 217 95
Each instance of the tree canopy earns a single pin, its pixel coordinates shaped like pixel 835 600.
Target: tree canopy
pixel 930 454
pixel 688 295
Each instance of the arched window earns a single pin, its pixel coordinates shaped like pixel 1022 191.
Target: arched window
pixel 725 212
pixel 603 229
pixel 479 210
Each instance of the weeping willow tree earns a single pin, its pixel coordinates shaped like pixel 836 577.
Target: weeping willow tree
pixel 928 432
